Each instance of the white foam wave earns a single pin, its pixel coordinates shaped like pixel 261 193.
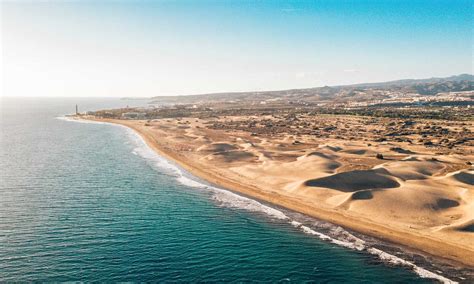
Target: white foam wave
pixel 230 199
pixel 189 182
pixel 357 245
pixel 233 200
pixel 390 258
pixel 71 119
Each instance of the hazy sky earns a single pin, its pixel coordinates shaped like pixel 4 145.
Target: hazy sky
pixel 149 48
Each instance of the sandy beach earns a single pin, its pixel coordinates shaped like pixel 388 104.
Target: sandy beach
pixel 412 196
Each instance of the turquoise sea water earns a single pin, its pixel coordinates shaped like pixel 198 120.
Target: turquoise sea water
pixel 86 201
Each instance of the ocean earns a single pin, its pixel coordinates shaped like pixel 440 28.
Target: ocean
pixel 91 202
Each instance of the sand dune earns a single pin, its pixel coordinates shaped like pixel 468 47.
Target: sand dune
pixel 358 151
pixel 233 156
pixel 356 180
pixel 412 169
pixel 411 196
pixel 467 227
pixel 217 147
pixel 401 150
pixel 331 148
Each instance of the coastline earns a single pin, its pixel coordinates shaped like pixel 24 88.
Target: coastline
pixel 448 252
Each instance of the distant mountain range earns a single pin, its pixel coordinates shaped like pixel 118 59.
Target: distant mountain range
pixel 360 92
pixel 405 82
pixel 430 86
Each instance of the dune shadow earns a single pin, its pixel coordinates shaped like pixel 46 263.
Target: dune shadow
pixel 362 195
pixel 332 148
pixel 465 178
pixel 355 152
pixel 468 228
pixel 218 147
pixel 356 180
pixel 234 156
pixel 321 155
pixel 401 150
pixel 444 203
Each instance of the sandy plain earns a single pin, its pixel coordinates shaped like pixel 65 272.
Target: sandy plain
pixel 412 194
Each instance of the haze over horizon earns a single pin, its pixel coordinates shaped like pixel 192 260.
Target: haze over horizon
pixel 144 49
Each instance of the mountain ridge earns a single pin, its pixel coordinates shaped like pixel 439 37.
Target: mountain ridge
pixel 427 86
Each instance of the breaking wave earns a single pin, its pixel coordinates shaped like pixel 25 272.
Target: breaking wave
pixel 70 119
pixel 333 233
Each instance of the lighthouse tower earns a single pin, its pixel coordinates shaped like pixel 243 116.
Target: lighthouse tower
pixel 77 110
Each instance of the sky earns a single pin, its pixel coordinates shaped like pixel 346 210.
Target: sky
pixel 153 48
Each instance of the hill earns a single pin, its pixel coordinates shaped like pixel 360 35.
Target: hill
pixel 359 92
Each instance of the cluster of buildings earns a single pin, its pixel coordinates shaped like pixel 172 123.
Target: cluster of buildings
pixel 415 99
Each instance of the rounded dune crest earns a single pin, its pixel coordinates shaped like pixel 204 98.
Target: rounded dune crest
pixel 233 156
pixel 217 147
pixel 325 163
pixel 464 227
pixel 331 148
pixel 412 169
pixel 322 155
pixel 356 180
pixel 201 139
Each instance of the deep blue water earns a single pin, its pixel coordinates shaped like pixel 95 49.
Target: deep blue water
pixel 90 202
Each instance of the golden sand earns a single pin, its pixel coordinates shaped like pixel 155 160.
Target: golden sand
pixel 418 199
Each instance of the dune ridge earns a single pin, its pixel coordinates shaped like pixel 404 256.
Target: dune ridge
pixel 408 197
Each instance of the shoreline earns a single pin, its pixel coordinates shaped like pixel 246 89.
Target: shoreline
pixel 446 252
